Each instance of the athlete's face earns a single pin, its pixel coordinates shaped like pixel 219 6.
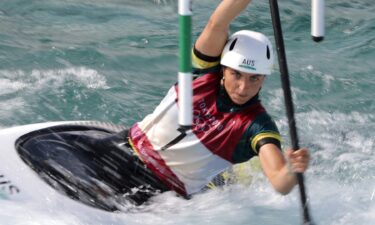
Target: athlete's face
pixel 240 86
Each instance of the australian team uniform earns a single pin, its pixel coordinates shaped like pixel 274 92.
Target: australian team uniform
pixel 222 133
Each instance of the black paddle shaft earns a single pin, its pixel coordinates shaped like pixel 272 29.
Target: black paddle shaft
pixel 288 98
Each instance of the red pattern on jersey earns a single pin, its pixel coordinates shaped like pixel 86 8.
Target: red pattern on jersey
pixel 219 131
pixel 154 161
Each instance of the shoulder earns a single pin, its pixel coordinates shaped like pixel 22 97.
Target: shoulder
pixel 264 121
pixel 263 130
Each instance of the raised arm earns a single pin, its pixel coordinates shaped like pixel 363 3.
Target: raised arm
pixel 214 36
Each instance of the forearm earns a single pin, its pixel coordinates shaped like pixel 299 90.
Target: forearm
pixel 276 168
pixel 283 181
pixel 226 12
pixel 279 172
pixel 214 36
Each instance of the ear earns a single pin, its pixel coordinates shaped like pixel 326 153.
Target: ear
pixel 222 75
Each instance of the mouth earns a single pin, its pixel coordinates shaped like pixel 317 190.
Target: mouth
pixel 240 96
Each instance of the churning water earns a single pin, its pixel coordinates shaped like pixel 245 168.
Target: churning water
pixel 113 60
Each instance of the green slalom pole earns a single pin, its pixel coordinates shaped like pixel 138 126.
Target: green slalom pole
pixel 185 93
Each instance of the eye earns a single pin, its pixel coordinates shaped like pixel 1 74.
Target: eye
pixel 254 78
pixel 236 74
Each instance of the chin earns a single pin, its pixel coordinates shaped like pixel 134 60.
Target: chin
pixel 239 102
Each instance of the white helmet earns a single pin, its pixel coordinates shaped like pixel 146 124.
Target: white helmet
pixel 249 52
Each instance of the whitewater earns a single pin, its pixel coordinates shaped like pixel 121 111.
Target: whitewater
pixel 113 61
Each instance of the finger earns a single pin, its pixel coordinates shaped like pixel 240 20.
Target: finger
pixel 299 167
pixel 300 159
pixel 301 154
pixel 289 152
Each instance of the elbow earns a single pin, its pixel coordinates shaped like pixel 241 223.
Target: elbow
pixel 285 188
pixel 284 191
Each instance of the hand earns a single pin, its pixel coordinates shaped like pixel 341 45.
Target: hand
pixel 298 160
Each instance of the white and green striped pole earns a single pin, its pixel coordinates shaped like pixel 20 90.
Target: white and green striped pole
pixel 185 93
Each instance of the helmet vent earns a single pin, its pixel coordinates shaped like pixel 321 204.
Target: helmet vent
pixel 232 44
pixel 268 53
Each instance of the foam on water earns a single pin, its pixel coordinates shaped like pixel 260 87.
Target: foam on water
pixel 19 80
pixel 20 88
pixel 331 203
pixel 113 60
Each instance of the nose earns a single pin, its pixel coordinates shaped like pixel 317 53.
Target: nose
pixel 243 85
